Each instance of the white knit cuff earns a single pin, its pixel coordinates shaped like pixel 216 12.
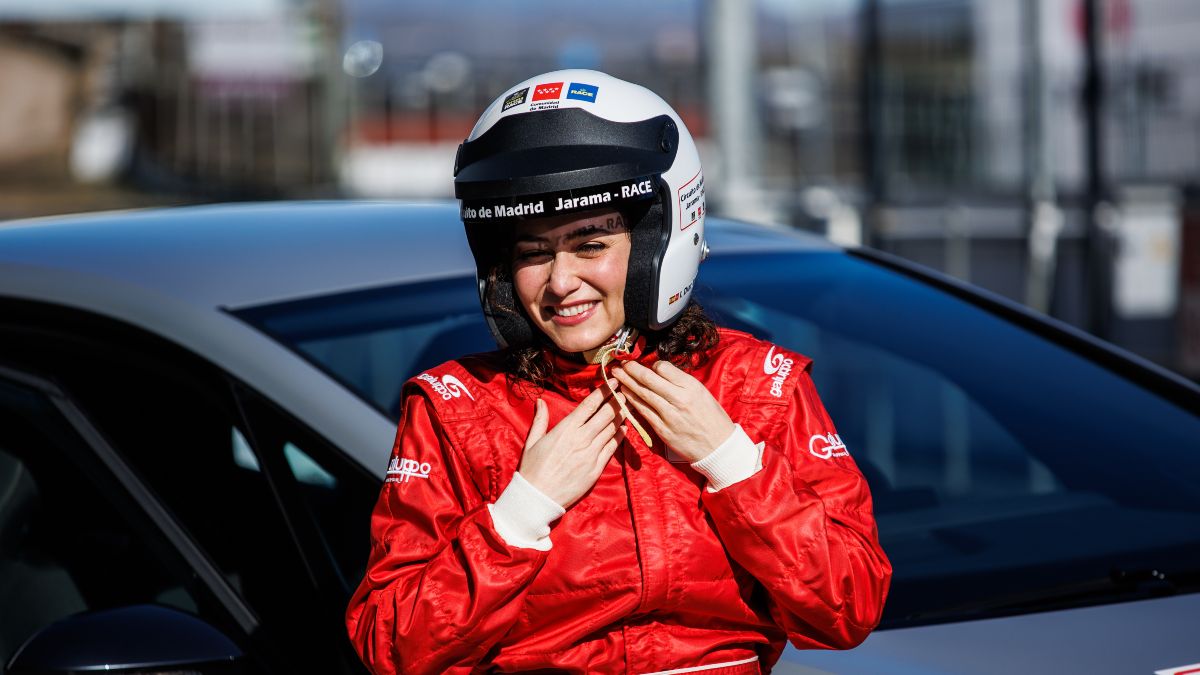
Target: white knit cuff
pixel 735 460
pixel 522 514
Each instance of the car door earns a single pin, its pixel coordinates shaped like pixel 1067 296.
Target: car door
pixel 180 424
pixel 79 532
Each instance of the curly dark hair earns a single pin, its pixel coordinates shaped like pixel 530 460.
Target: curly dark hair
pixel 685 343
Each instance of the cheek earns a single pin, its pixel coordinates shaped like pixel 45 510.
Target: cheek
pixel 611 274
pixel 528 281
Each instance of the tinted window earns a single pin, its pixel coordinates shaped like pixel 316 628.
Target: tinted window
pixel 375 340
pixel 70 539
pixel 999 461
pixel 175 420
pixel 332 492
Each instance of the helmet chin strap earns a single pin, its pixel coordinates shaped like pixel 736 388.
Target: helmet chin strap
pixel 620 344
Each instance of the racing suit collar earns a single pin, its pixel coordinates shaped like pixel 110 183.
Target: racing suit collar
pixel 575 378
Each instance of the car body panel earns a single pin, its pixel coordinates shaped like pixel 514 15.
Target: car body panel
pixel 1129 637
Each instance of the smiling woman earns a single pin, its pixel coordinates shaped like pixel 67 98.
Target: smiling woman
pixel 569 274
pixel 538 534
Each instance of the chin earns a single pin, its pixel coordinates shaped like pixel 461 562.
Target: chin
pixel 576 344
pixel 573 341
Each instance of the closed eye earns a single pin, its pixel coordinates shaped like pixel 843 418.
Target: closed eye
pixel 532 254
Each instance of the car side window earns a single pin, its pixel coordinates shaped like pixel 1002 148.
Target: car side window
pixel 69 540
pixel 173 419
pixel 332 492
pixel 991 448
pixel 373 340
pixel 919 437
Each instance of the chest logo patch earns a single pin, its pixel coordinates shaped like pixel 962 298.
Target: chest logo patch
pixel 778 367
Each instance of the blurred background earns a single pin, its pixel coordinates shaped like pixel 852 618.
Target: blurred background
pixel 1047 150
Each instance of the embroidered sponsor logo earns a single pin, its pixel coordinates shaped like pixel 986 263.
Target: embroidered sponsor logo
pixel 547 91
pixel 515 99
pixel 401 469
pixel 778 367
pixel 826 446
pixel 449 386
pixel 582 92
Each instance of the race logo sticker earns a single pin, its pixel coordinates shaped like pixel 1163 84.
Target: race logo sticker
pixel 826 446
pixel 583 92
pixel 400 470
pixel 545 92
pixel 448 387
pixel 778 367
pixel 515 99
pixel 691 202
pixel 558 202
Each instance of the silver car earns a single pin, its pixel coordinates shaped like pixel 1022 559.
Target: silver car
pixel 197 406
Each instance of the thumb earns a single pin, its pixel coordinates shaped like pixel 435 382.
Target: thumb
pixel 541 420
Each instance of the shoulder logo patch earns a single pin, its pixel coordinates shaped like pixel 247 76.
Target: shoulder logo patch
pixel 827 445
pixel 448 387
pixel 778 367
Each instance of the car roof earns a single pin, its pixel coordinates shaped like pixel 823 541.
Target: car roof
pixel 234 255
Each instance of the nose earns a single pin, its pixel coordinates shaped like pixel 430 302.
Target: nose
pixel 564 277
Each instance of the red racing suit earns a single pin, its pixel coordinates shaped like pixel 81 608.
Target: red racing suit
pixel 649 572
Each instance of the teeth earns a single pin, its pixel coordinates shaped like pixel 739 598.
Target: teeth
pixel 572 311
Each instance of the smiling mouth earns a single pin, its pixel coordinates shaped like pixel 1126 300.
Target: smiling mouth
pixel 573 310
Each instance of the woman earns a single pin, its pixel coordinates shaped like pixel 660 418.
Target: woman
pixel 623 487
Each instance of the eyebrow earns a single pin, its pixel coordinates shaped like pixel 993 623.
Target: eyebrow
pixel 579 233
pixel 583 232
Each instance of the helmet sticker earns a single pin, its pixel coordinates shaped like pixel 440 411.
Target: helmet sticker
pixel 515 99
pixel 547 91
pixel 583 92
pixel 691 202
pixel 545 96
pixel 554 203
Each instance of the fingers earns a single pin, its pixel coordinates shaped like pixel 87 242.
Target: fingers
pixel 589 405
pixel 607 452
pixel 647 385
pixel 672 373
pixel 654 381
pixel 541 419
pixel 646 411
pixel 605 415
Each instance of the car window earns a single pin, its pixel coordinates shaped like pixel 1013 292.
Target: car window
pixel 70 540
pixel 174 419
pixel 995 456
pixel 998 460
pixel 334 493
pixel 374 340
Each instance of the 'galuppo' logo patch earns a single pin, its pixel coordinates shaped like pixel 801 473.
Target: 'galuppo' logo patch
pixel 778 367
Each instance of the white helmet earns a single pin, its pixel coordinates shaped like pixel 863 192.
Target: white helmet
pixel 574 140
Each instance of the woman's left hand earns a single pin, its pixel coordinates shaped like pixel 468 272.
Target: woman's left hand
pixel 682 412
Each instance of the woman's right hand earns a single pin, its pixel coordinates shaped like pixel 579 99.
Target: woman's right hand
pixel 566 461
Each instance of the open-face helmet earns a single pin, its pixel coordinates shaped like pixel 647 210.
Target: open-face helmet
pixel 576 140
